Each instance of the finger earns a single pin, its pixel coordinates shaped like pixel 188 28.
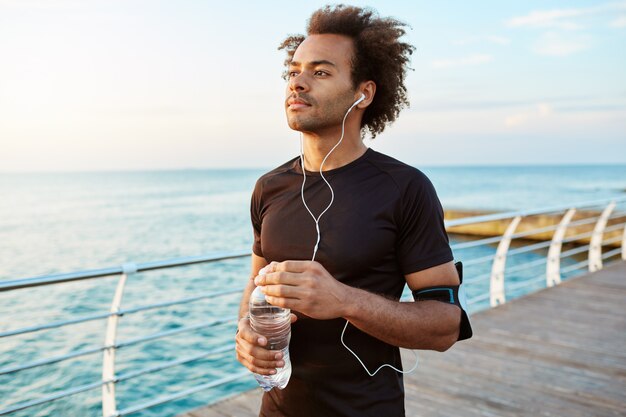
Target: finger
pixel 267 268
pixel 292 266
pixel 253 368
pixel 290 303
pixel 271 267
pixel 255 351
pixel 294 318
pixel 258 363
pixel 251 358
pixel 288 278
pixel 246 332
pixel 284 291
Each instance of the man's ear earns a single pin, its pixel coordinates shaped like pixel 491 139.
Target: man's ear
pixel 368 89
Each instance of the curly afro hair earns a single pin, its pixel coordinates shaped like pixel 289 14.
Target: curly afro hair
pixel 379 56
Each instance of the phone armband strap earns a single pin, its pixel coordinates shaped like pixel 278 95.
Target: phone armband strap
pixel 451 294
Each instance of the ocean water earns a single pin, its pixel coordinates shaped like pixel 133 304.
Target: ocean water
pixel 62 222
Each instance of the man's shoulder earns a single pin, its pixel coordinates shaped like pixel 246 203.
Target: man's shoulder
pixel 285 168
pixel 403 174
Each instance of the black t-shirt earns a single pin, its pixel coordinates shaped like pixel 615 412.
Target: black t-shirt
pixel 386 221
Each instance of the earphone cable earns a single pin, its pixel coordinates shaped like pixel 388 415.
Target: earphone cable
pixel 316 220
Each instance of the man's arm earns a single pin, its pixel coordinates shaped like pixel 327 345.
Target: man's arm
pixel 250 345
pixel 307 287
pixel 427 324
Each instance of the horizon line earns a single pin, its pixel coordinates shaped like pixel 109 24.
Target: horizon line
pixel 239 168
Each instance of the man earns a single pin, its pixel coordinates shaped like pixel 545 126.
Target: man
pixel 380 227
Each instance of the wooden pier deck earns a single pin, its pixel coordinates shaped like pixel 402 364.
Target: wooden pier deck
pixel 558 352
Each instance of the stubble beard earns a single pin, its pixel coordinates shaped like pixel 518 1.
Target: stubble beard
pixel 321 116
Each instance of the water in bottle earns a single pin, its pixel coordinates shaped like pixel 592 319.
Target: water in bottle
pixel 274 323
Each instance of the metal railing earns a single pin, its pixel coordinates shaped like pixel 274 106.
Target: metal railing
pixel 495 293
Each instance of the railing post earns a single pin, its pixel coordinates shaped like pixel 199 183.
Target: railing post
pixel 595 245
pixel 496 289
pixel 553 266
pixel 109 404
pixel 624 244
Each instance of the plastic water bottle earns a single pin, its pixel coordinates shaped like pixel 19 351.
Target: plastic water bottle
pixel 274 323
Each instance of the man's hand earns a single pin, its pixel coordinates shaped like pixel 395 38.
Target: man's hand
pixel 306 287
pixel 251 352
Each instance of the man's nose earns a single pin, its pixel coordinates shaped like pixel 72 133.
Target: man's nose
pixel 298 83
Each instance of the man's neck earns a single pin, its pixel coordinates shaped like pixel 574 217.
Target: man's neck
pixel 316 147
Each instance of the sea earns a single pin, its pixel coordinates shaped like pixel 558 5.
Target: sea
pixel 63 222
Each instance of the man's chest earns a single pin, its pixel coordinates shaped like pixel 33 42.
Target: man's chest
pixel 357 231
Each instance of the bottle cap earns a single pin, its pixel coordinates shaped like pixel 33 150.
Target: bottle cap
pixel 257 296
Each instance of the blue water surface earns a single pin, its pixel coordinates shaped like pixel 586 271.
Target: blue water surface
pixel 62 222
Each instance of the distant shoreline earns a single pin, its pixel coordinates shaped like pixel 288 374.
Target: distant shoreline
pixel 268 168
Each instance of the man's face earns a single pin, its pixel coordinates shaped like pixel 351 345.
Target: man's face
pixel 319 89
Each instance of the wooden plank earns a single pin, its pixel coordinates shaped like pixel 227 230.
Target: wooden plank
pixel 557 352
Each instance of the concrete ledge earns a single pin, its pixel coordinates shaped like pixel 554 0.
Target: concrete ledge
pixel 498 227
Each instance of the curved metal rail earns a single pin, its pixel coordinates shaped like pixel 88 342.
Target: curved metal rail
pixel 496 294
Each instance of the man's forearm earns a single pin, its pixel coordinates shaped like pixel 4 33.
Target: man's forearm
pixel 429 324
pixel 307 287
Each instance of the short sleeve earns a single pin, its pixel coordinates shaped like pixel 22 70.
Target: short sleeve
pixel 423 241
pixel 255 217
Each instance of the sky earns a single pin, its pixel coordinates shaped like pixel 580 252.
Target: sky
pixel 135 85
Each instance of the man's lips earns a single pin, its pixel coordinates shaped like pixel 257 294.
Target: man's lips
pixel 297 106
pixel 297 103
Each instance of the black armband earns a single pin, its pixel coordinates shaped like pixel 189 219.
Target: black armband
pixel 451 294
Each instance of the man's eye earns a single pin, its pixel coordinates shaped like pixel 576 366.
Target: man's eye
pixel 292 74
pixel 320 73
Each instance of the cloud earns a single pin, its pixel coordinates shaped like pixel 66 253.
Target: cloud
pixel 541 110
pixel 549 18
pixel 599 108
pixel 476 59
pixel 562 103
pixel 544 109
pixel 556 44
pixel 500 40
pixel 451 104
pixel 562 18
pixel 620 22
pixel 515 120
